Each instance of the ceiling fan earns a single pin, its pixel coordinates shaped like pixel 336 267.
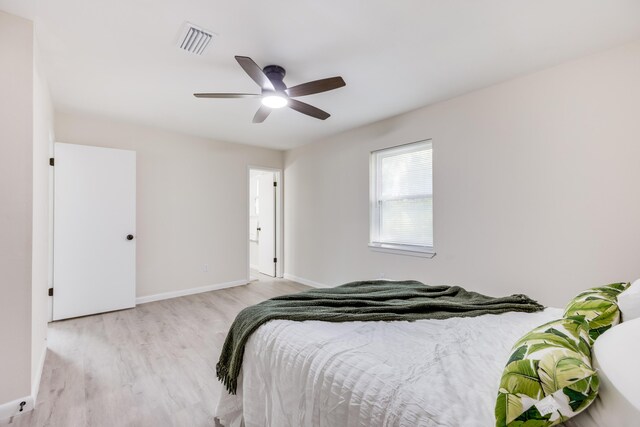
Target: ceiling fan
pixel 275 93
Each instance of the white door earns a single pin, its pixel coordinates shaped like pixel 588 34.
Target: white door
pixel 94 267
pixel 267 224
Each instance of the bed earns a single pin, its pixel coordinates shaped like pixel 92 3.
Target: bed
pixel 422 373
pixel 445 371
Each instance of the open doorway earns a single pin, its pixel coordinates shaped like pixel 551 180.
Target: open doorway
pixel 265 220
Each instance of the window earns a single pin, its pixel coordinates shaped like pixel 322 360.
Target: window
pixel 402 199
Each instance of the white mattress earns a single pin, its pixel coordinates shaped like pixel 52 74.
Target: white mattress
pixel 366 374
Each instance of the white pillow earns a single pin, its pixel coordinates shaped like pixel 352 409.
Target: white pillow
pixel 615 358
pixel 629 302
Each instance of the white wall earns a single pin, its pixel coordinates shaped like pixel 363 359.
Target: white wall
pixel 192 200
pixel 535 187
pixel 16 190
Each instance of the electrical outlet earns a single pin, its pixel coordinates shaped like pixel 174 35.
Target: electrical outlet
pixel 205 268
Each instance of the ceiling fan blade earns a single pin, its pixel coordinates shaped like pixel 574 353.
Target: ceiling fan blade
pixel 307 109
pixel 227 95
pixel 261 114
pixel 316 86
pixel 255 72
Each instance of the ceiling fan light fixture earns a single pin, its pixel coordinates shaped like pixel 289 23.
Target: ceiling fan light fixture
pixel 275 101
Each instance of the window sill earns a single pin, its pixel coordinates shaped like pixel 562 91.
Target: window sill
pixel 403 250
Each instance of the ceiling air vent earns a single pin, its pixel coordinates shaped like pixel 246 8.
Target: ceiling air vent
pixel 194 39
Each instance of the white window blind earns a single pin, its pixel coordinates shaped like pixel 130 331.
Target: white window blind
pixel 402 197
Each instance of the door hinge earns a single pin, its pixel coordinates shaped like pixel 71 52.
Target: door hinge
pixel 275 184
pixel 50 292
pixel 52 161
pixel 275 260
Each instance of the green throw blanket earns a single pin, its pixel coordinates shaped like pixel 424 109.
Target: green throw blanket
pixel 379 300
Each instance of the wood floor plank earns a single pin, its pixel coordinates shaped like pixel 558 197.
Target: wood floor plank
pixel 153 365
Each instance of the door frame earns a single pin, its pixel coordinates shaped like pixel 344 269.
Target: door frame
pixel 279 219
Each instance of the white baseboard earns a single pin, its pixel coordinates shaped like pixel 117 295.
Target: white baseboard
pixel 190 291
pixel 12 409
pixel 304 281
pixel 254 267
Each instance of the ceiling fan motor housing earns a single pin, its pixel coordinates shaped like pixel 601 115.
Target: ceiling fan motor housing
pixel 275 74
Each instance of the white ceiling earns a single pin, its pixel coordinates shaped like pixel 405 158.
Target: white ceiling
pixel 22 8
pixel 118 57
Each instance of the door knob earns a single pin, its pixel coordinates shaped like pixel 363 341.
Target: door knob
pixel 259 229
pixel 130 237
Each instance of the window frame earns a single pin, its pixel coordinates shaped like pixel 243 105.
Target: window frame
pixel 375 159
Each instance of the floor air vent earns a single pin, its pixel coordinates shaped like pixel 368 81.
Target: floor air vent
pixel 194 39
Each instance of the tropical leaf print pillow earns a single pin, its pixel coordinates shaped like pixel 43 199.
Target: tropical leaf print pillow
pixel 549 377
pixel 599 306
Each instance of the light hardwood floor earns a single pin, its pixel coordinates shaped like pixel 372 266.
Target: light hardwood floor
pixel 153 365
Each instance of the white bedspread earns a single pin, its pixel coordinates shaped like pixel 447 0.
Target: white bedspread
pixel 366 374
